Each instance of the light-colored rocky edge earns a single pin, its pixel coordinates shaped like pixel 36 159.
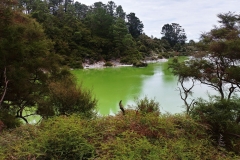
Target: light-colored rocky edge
pixel 116 63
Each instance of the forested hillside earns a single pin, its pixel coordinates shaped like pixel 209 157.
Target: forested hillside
pixel 82 33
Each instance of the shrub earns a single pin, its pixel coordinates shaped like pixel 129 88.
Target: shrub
pixel 146 105
pixel 132 136
pixel 108 64
pixel 9 120
pixel 221 115
pixel 65 97
pixel 126 60
pixel 166 55
pixel 68 99
pixel 76 65
pixel 65 140
pixel 160 56
pixel 139 64
pixel 142 48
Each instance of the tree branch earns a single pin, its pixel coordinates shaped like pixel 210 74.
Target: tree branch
pixel 5 87
pixel 185 92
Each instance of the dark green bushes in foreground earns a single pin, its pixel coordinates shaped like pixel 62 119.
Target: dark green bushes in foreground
pixel 222 117
pixel 133 136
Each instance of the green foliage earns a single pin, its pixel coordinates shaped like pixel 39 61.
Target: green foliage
pixel 135 26
pixel 215 64
pixel 108 64
pixel 66 143
pixel 99 22
pixel 97 32
pixel 58 138
pixel 76 65
pixel 160 56
pixel 146 105
pixel 139 64
pixel 91 32
pixel 223 117
pixel 9 119
pixel 26 62
pixel 30 65
pixel 119 33
pixel 67 98
pixel 181 69
pixel 133 136
pixel 174 35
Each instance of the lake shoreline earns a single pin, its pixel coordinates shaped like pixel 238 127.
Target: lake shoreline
pixel 116 63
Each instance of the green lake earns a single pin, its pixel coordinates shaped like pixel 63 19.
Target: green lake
pixel 110 85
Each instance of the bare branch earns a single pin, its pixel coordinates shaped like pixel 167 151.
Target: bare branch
pixel 33 114
pixel 184 92
pixel 5 87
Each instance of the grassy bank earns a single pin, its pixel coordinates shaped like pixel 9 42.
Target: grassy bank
pixel 133 136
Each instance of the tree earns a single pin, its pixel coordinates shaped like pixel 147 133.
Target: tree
pixel 98 5
pixel 184 93
pixel 120 13
pixel 174 34
pixel 119 32
pixel 135 26
pixel 222 117
pixel 67 98
pixel 217 66
pixel 3 88
pixel 111 7
pixel 191 42
pixel 217 63
pixel 29 69
pixel 99 21
pixel 25 62
pixel 228 20
pixel 80 10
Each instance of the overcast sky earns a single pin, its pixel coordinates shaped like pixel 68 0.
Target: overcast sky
pixel 195 16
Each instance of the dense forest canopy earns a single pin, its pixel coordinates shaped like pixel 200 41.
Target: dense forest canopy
pixel 92 33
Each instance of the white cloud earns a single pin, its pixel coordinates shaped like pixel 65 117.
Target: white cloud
pixel 195 16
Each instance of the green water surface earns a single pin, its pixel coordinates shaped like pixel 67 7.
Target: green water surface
pixel 110 85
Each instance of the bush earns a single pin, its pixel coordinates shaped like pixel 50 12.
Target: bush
pixel 65 141
pixel 56 138
pixel 9 120
pixel 76 65
pixel 108 64
pixel 132 136
pixel 146 105
pixel 68 99
pixel 126 60
pixel 221 115
pixel 140 64
pixel 166 55
pixel 160 56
